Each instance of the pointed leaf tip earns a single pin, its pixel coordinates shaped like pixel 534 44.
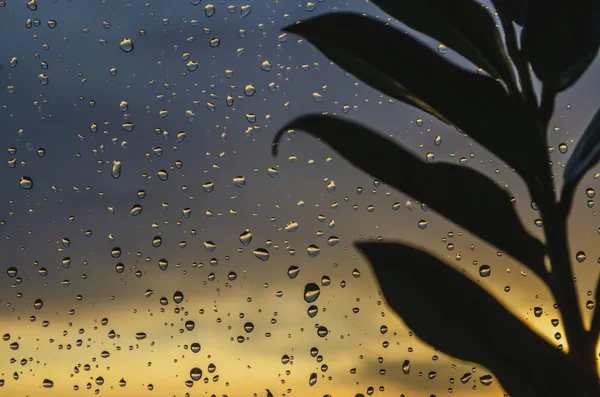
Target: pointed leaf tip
pixel 455 315
pixel 461 194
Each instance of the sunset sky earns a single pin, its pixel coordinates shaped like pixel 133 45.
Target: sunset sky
pixel 189 114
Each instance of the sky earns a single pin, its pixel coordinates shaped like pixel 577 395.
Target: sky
pixel 159 155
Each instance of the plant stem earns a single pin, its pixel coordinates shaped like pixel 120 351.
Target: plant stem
pixel 582 344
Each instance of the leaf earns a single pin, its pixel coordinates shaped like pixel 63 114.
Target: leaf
pixel 562 39
pixel 450 312
pixel 584 157
pixel 462 195
pixel 397 64
pixel 513 10
pixel 463 25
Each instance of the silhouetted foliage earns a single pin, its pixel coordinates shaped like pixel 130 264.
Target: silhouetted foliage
pixel 502 112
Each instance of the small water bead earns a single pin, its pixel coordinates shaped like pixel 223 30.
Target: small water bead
pixel 485 270
pixel 580 256
pixel 208 187
pixel 196 374
pixel 140 335
pixel 430 158
pixel 322 331
pixel 157 241
pixel 563 148
pixel 209 10
pixel 313 250
pixel 261 254
pixel 214 42
pixel 25 182
pixel 189 325
pixel 239 181
pixel 293 272
pixel 178 297
pixel 406 367
pixel 47 384
pixel 538 311
pixel 12 271
pixel 590 305
pixel 126 45
pixel 163 175
pixel 311 292
pixel 163 264
pixel 486 380
pixel 38 304
pixel 135 210
pixel 442 49
pixel 266 66
pixel 422 224
pixel 419 122
pixel 248 327
pixel 195 347
pixel 119 267
pixel 313 379
pixel 590 192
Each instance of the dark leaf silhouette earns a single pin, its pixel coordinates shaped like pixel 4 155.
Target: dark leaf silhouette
pixel 513 10
pixel 476 104
pixel 584 157
pixel 463 25
pixel 464 196
pixel 562 39
pixel 456 316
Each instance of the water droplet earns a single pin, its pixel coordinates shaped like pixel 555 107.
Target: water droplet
pixel 406 367
pixel 163 264
pixel 486 380
pixel 430 157
pixel 209 10
pixel 239 181
pixel 214 42
pixel 208 187
pixel 249 90
pixel 261 254
pixel 442 49
pixel 119 267
pixel 485 270
pixel 538 311
pixel 32 5
pixel 466 378
pixel 312 311
pixel 248 327
pixel 293 271
pixel 195 347
pixel 273 173
pixel 38 304
pixel 322 331
pixel 419 122
pixel 590 305
pixel 333 240
pixel 26 182
pixel 140 335
pixel 189 325
pixel 47 384
pixel 580 256
pixel 313 250
pixel 311 292
pixel 313 379
pixel 178 297
pixel 135 210
pixel 126 45
pixel 196 374
pixel 12 271
pixel 163 175
pixel 266 66
pixel 563 148
pixel 246 237
pixel 422 224
pixel 590 192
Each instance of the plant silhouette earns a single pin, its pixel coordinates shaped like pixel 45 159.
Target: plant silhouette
pixel 502 112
